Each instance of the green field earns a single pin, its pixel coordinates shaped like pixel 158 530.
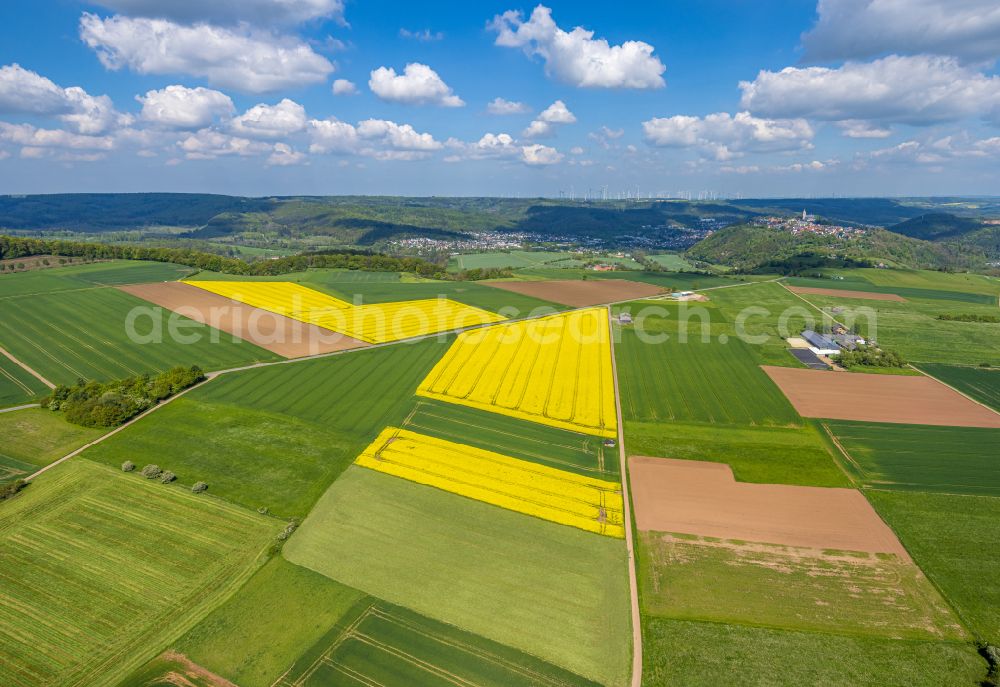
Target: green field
pixel 929 279
pixel 766 455
pixel 841 592
pixel 956 460
pixel 360 392
pixel 697 381
pixel 103 569
pixel 480 295
pixel 254 458
pixel 72 277
pixel 909 292
pixel 514 259
pixel 980 383
pixel 668 280
pixel 33 438
pixel 82 334
pixel 239 640
pixel 672 261
pixel 510 436
pixel 558 593
pixel 956 542
pixel 17 385
pixel 699 654
pixel 381 644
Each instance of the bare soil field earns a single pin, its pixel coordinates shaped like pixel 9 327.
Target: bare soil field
pixel 806 290
pixel 276 333
pixel 577 293
pixel 701 498
pixel 879 398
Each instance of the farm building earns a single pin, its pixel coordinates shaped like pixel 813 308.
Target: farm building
pixel 624 318
pixel 820 344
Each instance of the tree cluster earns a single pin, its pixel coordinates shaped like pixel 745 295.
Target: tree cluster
pixel 869 356
pixel 16 247
pixel 109 404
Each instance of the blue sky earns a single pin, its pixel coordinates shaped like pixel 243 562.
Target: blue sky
pixel 259 97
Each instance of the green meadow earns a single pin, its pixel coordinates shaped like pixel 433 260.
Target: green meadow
pixel 956 542
pixel 102 569
pixel 558 593
pixel 71 335
pixel 956 460
pixel 33 438
pixel 706 654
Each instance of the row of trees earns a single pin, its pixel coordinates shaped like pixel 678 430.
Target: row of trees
pixel 969 317
pixel 109 404
pixel 153 471
pixel 12 247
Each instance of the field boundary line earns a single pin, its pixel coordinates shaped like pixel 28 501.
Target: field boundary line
pixel 24 407
pixel 114 431
pixel 627 513
pixel 27 369
pixel 957 391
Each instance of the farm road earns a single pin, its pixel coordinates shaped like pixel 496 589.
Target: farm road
pixel 27 369
pixel 629 540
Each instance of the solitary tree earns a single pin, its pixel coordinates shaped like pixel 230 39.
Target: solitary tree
pixel 199 487
pixel 128 466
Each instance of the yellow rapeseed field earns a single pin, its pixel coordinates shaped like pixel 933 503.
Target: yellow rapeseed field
pixel 376 323
pixel 554 370
pixel 519 485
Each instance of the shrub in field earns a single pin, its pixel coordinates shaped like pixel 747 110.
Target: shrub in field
pixel 151 472
pixel 128 466
pixel 167 477
pixel 11 489
pixel 199 487
pixel 96 404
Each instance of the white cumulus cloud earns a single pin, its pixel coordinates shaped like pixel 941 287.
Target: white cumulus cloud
pixel 576 57
pixel 36 138
pixel 417 85
pixel 239 58
pixel 209 144
pixel 857 29
pixel 283 155
pixel 919 90
pixel 499 106
pixel 544 124
pixel 262 12
pixel 344 87
pixel 23 91
pixel 857 128
pixel 271 121
pixel 180 107
pixel 726 136
pixel 538 155
pixel 381 139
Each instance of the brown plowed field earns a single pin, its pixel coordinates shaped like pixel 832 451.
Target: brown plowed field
pixel 695 497
pixel 276 333
pixel 879 398
pixel 847 294
pixel 577 293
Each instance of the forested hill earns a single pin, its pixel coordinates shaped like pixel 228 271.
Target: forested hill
pixel 92 212
pixel 935 226
pixel 749 248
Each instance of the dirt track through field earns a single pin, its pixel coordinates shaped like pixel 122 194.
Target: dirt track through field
pixel 869 295
pixel 33 373
pixel 276 333
pixel 702 498
pixel 879 398
pixel 577 293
